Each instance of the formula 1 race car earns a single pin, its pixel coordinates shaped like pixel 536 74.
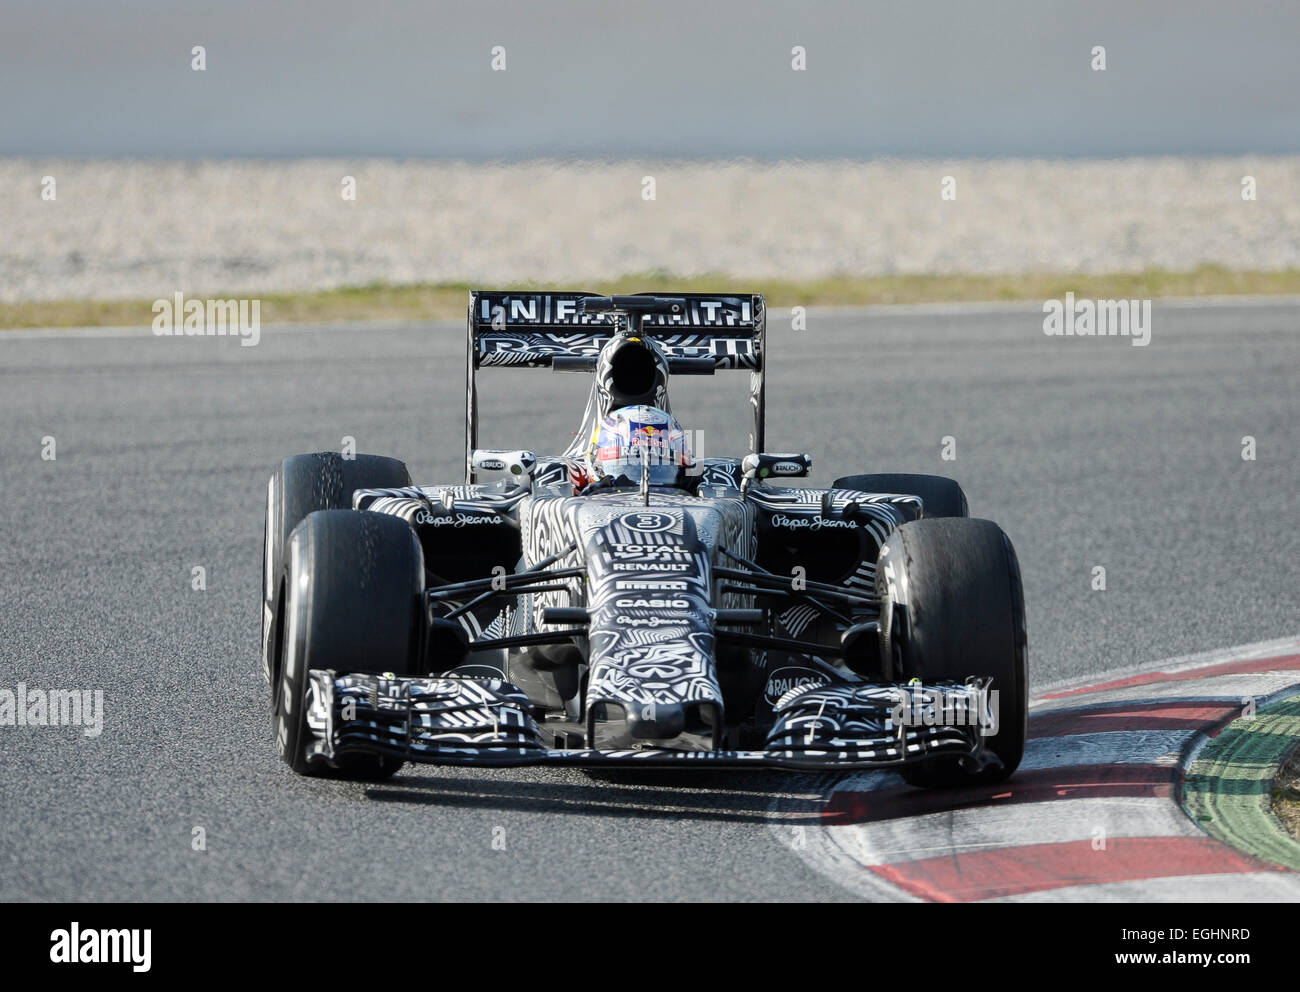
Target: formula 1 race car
pixel 627 603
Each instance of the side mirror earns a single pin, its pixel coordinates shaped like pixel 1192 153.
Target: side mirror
pixel 520 464
pixel 763 466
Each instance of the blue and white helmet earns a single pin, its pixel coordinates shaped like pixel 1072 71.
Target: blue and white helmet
pixel 633 435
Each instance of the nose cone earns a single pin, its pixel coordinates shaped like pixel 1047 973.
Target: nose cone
pixel 652 679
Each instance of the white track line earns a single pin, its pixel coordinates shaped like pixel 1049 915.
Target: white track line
pixel 982 828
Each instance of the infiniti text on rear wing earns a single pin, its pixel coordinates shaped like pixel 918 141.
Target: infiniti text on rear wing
pixel 533 329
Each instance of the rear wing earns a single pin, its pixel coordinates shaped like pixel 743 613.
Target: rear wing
pixel 699 332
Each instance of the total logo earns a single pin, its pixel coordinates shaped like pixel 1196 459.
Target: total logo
pixel 649 552
pixel 783 680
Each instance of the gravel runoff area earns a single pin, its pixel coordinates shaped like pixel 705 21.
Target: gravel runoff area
pixel 125 229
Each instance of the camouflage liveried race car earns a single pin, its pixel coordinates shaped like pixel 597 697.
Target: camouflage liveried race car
pixel 625 602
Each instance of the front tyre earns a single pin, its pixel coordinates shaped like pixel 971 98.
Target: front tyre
pixel 301 485
pixel 952 606
pixel 353 601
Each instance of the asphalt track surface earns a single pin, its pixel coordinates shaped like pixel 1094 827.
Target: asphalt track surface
pixel 1087 451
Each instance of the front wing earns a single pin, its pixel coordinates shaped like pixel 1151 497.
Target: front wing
pixel 452 720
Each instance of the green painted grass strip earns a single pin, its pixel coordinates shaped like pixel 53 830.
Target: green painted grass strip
pixel 1228 791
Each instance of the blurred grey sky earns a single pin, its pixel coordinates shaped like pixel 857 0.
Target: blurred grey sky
pixel 670 78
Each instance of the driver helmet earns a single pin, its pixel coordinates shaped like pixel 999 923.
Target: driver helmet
pixel 628 437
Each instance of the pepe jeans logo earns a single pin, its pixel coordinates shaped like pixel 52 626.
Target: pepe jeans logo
pixel 809 523
pixel 626 621
pixel 425 518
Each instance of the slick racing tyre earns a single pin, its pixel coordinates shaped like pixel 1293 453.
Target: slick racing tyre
pixel 941 497
pixel 303 483
pixel 951 606
pixel 352 599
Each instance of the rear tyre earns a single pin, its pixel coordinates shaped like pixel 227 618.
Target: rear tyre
pixel 352 601
pixel 942 497
pixel 951 606
pixel 302 484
